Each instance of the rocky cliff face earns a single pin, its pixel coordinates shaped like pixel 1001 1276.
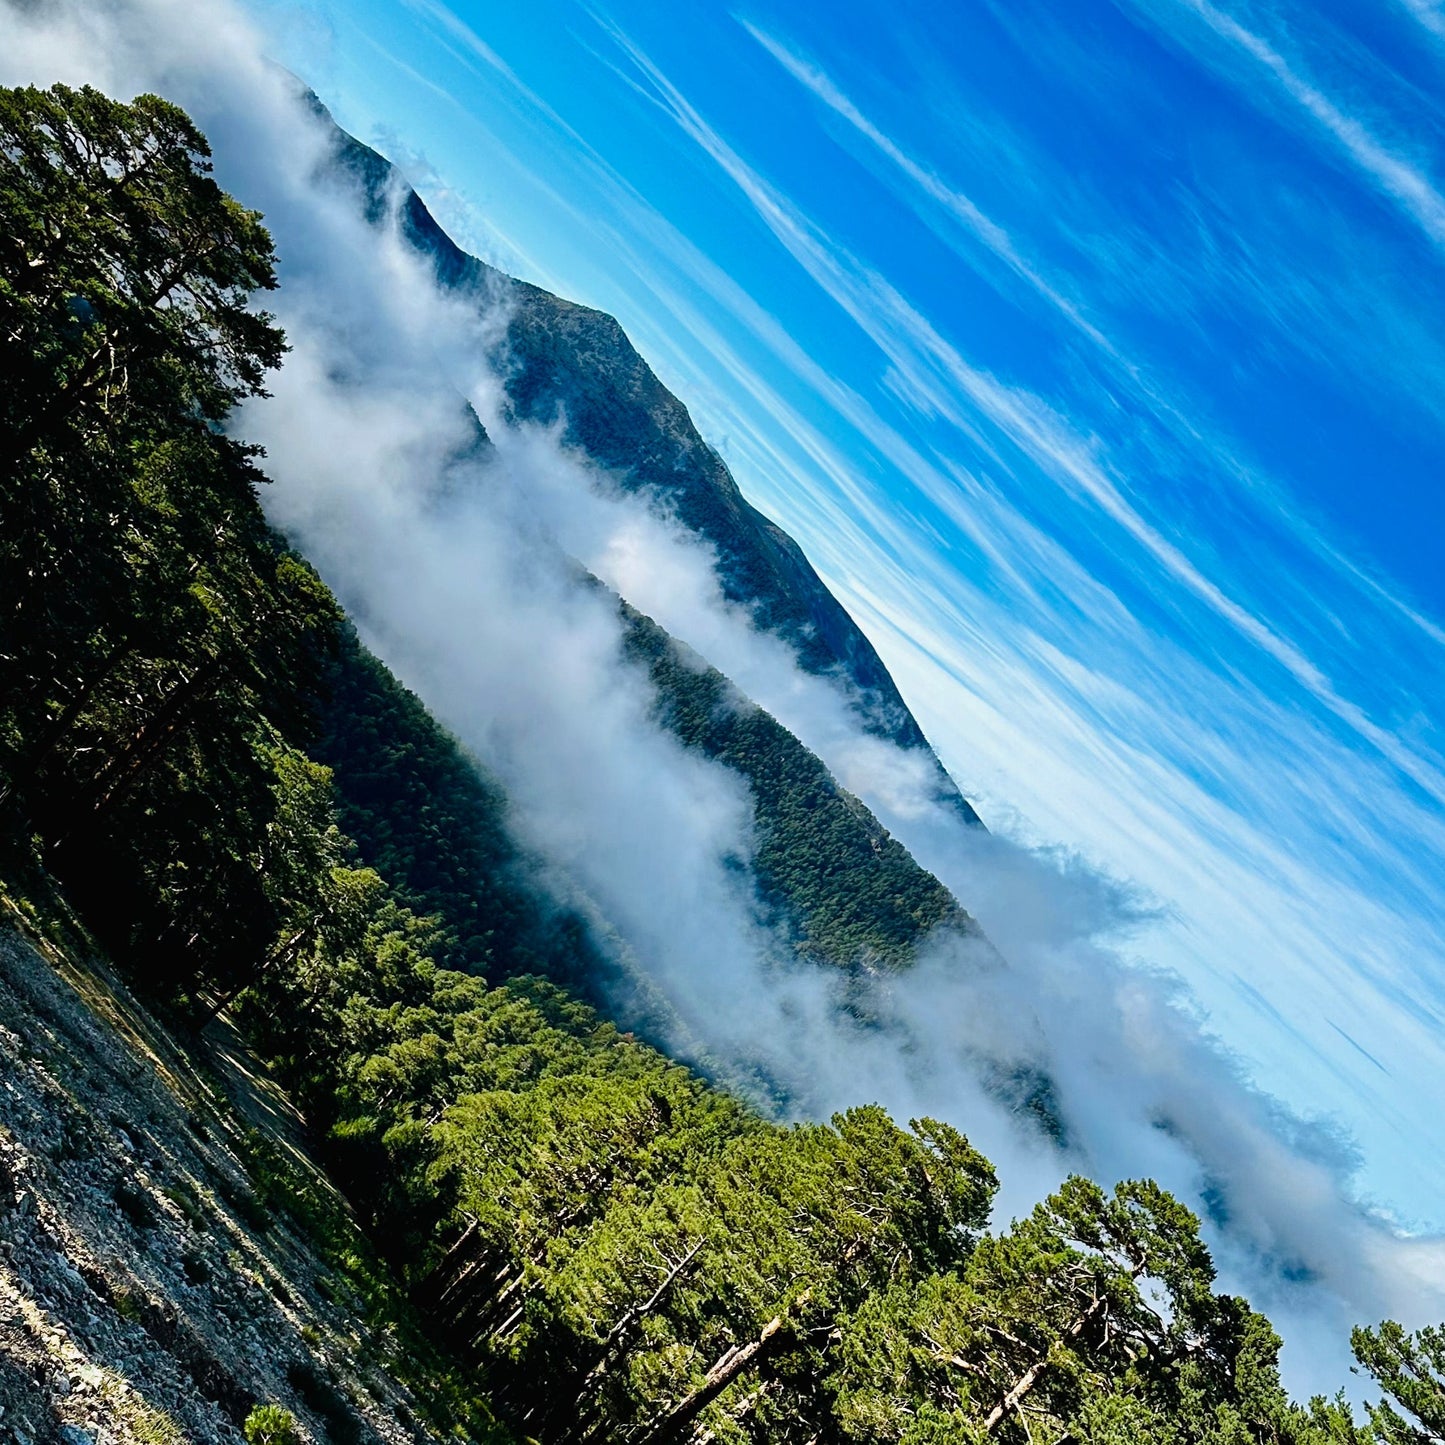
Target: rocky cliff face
pixel 562 360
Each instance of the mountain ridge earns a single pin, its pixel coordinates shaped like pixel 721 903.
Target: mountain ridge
pixel 564 361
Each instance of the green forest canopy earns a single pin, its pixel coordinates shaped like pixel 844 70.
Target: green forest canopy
pixel 614 1249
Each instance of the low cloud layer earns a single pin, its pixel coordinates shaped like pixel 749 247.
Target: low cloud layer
pixel 462 567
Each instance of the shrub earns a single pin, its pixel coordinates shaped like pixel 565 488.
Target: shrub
pixel 320 1395
pixel 271 1425
pixel 127 1305
pixel 186 1200
pixel 134 1203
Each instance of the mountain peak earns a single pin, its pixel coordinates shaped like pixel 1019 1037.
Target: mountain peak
pixel 568 363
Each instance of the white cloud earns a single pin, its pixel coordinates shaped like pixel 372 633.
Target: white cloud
pixel 955 202
pixel 1396 177
pixel 1429 13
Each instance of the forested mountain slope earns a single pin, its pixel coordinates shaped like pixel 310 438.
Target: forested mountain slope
pixel 845 891
pixel 838 887
pixel 562 359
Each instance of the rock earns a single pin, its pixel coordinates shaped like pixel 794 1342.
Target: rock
pixel 102 1320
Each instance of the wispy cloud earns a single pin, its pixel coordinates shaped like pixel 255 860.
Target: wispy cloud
pixel 1286 297
pixel 992 235
pixel 911 341
pixel 1430 14
pixel 1350 136
pixel 449 23
pixel 453 25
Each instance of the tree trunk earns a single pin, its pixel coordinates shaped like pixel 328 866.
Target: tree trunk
pixel 1030 1377
pixel 64 400
pixel 460 1260
pixel 272 961
pixel 578 1432
pixel 174 715
pixel 30 766
pixel 732 1363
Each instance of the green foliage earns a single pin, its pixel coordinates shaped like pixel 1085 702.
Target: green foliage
pixel 133 1202
pixel 1095 1314
pixel 185 1199
pixel 573 366
pixel 426 816
pixel 851 893
pixel 1410 1368
pixel 158 649
pixel 127 1305
pixel 161 654
pixel 271 1425
pixel 620 1250
pixel 316 1211
pixel 126 268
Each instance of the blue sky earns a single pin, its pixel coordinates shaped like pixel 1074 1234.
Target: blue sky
pixel 1093 353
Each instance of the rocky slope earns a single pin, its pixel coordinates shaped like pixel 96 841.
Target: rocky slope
pixel 154 1285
